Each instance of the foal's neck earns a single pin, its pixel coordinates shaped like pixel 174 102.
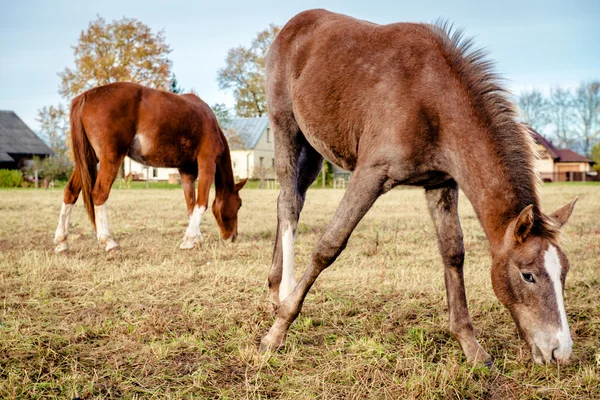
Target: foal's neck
pixel 496 172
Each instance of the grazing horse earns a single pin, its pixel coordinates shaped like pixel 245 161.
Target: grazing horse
pixel 412 104
pixel 155 128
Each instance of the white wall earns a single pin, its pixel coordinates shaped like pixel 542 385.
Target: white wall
pixel 156 174
pixel 246 161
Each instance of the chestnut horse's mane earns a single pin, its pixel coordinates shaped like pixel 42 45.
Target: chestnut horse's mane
pixel 493 108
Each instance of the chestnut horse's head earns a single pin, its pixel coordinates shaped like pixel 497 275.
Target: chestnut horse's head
pixel 225 209
pixel 528 275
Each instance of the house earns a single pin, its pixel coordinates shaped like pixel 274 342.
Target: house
pixel 560 165
pixel 252 148
pixel 141 172
pixel 250 144
pixel 18 143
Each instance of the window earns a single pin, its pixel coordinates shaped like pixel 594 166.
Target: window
pixel 272 163
pixel 262 159
pixel 268 135
pixel 155 172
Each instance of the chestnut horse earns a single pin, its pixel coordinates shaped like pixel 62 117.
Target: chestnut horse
pixel 412 104
pixel 155 128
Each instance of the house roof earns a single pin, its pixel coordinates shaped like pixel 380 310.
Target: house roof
pixel 566 155
pixel 558 155
pixel 249 130
pixel 17 138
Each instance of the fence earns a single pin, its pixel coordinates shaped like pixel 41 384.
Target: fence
pixel 592 176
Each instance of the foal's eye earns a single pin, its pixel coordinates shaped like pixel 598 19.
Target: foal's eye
pixel 528 277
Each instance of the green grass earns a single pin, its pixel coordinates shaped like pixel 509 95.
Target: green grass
pixel 152 321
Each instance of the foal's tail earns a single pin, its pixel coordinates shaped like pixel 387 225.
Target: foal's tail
pixel 85 157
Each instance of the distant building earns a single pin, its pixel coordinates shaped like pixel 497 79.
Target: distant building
pixel 252 148
pixel 560 165
pixel 18 143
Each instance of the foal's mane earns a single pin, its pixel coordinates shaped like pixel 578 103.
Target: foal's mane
pixel 491 104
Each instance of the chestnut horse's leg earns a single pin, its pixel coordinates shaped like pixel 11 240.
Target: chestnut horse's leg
pixel 206 175
pixel 366 185
pixel 443 206
pixel 187 182
pixel 298 165
pixel 109 168
pixel 71 194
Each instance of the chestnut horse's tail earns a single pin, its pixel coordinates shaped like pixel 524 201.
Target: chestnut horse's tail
pixel 85 157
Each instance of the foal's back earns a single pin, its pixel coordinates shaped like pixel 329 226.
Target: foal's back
pixel 351 84
pixel 155 127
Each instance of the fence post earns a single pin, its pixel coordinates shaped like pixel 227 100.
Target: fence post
pixel 147 177
pixel 36 179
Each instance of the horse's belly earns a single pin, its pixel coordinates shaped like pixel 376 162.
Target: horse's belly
pixel 162 155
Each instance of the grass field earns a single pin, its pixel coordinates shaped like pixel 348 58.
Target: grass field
pixel 151 321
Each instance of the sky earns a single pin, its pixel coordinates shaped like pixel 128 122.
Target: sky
pixel 535 44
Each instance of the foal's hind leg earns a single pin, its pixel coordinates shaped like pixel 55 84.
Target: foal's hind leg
pixel 298 165
pixel 443 206
pixel 109 167
pixel 71 194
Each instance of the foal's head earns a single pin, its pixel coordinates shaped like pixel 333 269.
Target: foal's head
pixel 225 209
pixel 528 275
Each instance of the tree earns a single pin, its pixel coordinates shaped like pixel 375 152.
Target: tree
pixel 174 86
pixel 561 115
pixel 586 105
pixel 245 74
pixel 534 108
pixel 595 152
pixel 236 140
pixel 222 113
pixel 54 129
pixel 124 50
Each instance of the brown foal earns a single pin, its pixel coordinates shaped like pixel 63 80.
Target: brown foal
pixel 412 104
pixel 155 128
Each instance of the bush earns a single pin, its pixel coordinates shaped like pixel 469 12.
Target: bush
pixel 10 178
pixel 51 168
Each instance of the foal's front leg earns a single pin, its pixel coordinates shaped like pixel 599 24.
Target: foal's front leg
pixel 443 206
pixel 206 173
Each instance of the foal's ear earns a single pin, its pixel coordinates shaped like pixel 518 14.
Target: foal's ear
pixel 240 184
pixel 523 224
pixel 561 216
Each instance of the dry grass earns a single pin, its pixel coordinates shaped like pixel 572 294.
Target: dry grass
pixel 154 322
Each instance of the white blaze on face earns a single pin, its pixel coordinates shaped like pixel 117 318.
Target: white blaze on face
pixel 64 220
pixel 554 269
pixel 288 282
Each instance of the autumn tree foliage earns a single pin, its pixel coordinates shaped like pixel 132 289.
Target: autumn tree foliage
pixel 244 73
pixel 123 50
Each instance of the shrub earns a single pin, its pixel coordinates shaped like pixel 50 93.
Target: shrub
pixel 51 168
pixel 10 178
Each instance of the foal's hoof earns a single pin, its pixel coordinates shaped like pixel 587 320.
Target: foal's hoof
pixel 111 245
pixel 189 242
pixel 61 247
pixel 267 347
